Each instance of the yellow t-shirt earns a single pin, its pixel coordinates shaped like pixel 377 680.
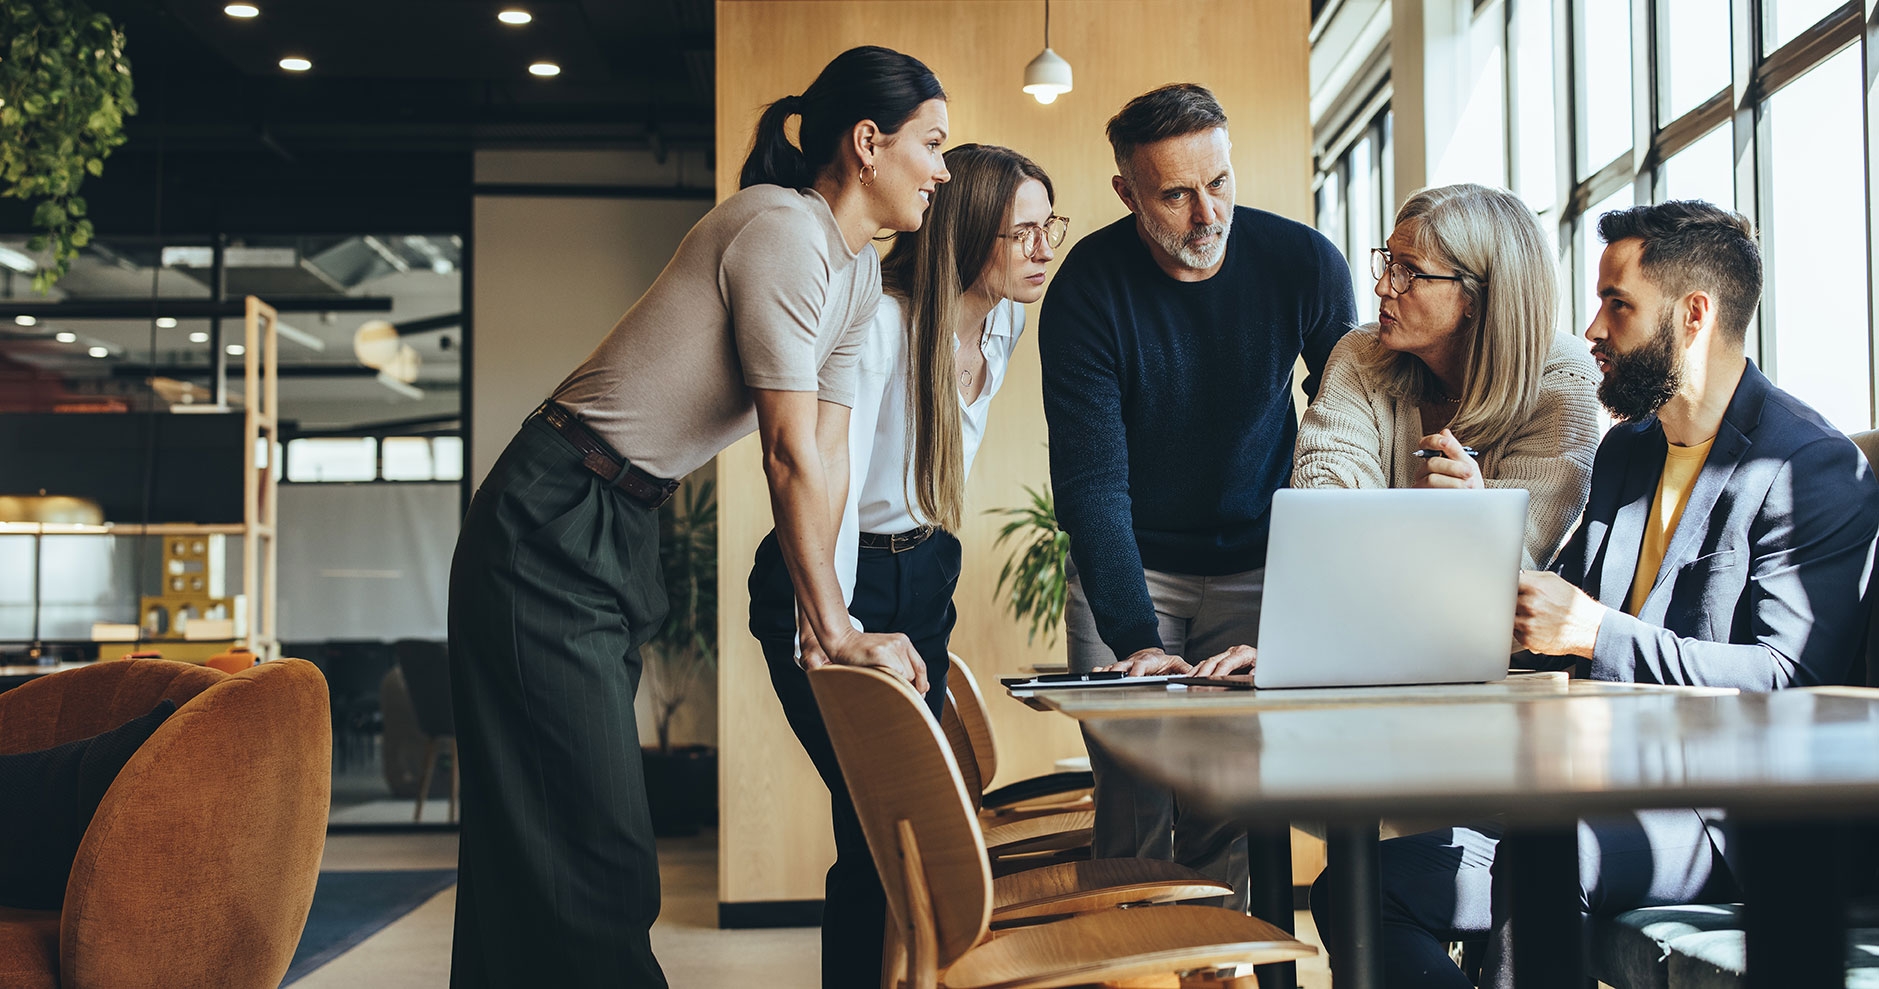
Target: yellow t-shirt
pixel 1681 465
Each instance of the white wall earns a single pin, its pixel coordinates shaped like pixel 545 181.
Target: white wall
pixel 550 275
pixel 365 561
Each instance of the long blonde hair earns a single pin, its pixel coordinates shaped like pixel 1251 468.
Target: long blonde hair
pixel 929 270
pixel 1495 243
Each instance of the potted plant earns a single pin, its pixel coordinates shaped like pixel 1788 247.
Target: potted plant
pixel 681 781
pixel 1038 568
pixel 65 89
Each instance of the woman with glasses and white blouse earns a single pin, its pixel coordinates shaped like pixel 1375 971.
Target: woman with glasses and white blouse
pixel 950 315
pixel 1463 382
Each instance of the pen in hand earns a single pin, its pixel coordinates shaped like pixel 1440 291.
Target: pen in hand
pixel 1427 454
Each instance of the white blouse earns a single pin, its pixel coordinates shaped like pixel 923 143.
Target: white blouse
pixel 880 461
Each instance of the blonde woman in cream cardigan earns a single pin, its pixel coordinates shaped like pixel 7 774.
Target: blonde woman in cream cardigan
pixel 1464 353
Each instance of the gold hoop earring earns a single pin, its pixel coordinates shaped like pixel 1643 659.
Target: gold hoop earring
pixel 867 174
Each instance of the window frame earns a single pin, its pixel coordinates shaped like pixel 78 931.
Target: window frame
pixel 1743 107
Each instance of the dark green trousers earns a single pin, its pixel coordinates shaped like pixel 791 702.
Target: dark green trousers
pixel 554 586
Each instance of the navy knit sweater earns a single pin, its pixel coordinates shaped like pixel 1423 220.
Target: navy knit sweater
pixel 1170 403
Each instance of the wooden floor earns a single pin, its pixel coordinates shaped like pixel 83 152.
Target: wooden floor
pixel 414 952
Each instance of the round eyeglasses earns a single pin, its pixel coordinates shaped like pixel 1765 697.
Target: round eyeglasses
pixel 1401 277
pixel 1031 237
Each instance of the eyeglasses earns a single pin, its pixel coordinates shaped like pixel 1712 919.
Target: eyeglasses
pixel 1401 277
pixel 1031 237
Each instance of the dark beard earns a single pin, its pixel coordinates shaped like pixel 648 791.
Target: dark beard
pixel 1638 382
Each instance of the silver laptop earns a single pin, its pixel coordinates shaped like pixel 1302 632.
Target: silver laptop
pixel 1390 587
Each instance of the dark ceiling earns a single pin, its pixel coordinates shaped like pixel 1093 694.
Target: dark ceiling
pixel 379 134
pixel 419 75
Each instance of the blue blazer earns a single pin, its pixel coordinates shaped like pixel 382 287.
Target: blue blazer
pixel 1763 582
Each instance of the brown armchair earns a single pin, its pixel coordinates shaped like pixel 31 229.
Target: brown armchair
pixel 198 868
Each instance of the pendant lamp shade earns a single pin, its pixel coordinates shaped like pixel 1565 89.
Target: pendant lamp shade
pixel 1047 77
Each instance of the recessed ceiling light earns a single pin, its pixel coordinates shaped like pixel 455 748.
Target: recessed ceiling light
pixel 296 64
pixel 198 337
pixel 236 350
pixel 65 336
pixel 242 10
pixel 544 69
pixel 514 16
pixel 25 321
pixel 100 352
pixel 166 322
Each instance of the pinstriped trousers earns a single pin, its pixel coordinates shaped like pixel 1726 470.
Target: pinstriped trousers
pixel 554 587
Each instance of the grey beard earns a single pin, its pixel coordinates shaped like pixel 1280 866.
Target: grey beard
pixel 1176 243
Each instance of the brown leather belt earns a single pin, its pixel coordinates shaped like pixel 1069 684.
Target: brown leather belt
pixel 598 457
pixel 899 542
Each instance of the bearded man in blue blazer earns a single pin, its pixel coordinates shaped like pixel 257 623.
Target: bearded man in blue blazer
pixel 1727 542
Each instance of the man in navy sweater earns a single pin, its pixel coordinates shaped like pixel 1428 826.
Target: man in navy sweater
pixel 1168 341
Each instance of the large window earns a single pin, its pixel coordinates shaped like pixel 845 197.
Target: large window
pixel 1356 201
pixel 1817 266
pixel 1792 155
pixel 1587 106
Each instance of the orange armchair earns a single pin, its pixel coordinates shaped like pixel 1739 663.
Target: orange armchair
pixel 198 868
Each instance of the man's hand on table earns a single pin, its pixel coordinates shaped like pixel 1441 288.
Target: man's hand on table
pixel 1147 663
pixel 1155 662
pixel 1237 660
pixel 1554 618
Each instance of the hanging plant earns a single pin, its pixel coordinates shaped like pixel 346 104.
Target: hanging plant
pixel 65 89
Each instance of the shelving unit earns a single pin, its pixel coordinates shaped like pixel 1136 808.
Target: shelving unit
pixel 260 518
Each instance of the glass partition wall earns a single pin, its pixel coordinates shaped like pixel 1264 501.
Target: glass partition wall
pixel 120 483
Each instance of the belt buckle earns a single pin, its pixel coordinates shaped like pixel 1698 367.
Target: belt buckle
pixel 666 491
pixel 901 542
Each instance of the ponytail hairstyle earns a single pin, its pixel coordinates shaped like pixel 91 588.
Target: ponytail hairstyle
pixel 865 83
pixel 930 270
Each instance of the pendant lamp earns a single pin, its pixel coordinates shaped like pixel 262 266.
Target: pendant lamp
pixel 1048 75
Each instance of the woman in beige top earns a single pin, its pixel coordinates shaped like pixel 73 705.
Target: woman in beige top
pixel 1464 352
pixel 755 325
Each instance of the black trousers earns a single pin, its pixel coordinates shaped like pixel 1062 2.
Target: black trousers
pixel 555 585
pixel 1444 885
pixel 910 593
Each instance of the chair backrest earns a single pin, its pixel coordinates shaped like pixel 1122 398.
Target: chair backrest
pixel 974 716
pixel 899 769
pixel 355 666
pixel 65 707
pixel 1868 443
pixel 426 668
pixel 960 741
pixel 199 865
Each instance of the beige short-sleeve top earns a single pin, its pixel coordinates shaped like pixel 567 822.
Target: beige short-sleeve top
pixel 763 293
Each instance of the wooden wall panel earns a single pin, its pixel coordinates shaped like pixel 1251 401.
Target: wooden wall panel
pixel 1252 53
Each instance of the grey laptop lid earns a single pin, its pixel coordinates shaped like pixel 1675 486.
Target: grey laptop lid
pixel 1390 587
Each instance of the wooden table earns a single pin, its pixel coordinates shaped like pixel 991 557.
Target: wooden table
pixel 1541 753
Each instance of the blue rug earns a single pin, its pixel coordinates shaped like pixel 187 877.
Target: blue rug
pixel 349 907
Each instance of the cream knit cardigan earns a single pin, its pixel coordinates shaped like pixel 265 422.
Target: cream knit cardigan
pixel 1355 435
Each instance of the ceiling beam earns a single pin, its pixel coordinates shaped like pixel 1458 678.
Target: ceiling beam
pixel 187 308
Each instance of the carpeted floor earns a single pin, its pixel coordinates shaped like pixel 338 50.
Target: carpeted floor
pixel 349 907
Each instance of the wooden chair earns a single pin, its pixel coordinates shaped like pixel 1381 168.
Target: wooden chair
pixel 1052 792
pixel 426 669
pixel 1022 833
pixel 928 847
